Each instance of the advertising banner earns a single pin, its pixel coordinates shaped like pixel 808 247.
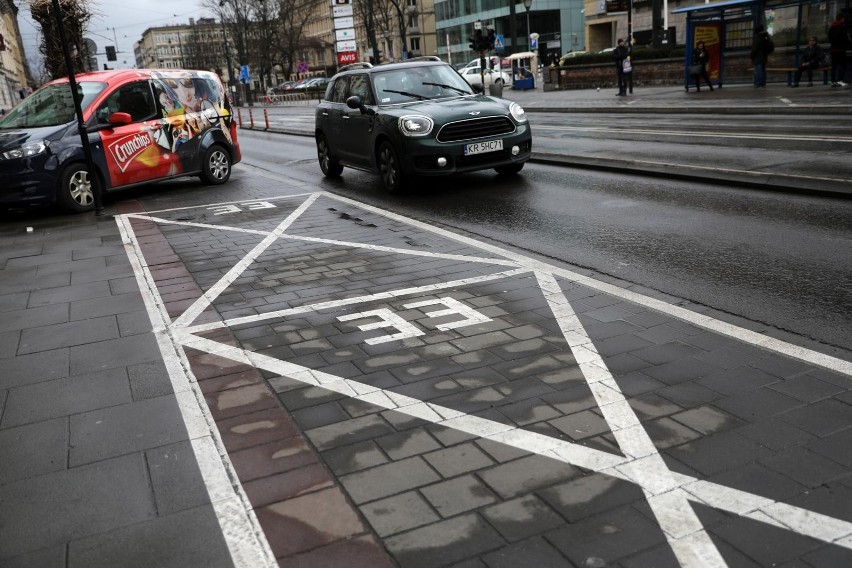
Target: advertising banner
pixel 711 34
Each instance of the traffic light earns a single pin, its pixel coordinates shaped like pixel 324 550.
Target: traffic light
pixel 492 37
pixel 110 53
pixel 472 44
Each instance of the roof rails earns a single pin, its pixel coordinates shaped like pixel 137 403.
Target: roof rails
pixel 424 58
pixel 356 65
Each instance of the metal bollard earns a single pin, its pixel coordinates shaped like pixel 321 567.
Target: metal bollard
pixel 251 119
pixel 266 118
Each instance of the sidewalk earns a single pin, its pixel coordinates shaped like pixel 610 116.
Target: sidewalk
pixel 200 379
pixel 821 101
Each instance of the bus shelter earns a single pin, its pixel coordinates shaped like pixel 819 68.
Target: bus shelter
pixel 727 30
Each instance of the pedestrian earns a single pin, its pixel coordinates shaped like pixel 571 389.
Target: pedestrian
pixel 700 59
pixel 761 47
pixel 622 54
pixel 810 60
pixel 838 37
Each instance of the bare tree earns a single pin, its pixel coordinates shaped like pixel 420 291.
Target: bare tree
pixel 75 17
pixel 294 15
pixel 199 52
pixel 263 39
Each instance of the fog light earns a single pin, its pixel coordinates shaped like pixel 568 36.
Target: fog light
pixel 442 161
pixel 516 150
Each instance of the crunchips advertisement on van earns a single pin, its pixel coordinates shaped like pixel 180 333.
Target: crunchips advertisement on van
pixel 143 126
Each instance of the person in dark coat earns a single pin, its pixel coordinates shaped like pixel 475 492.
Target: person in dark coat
pixel 838 37
pixel 701 57
pixel 810 60
pixel 761 48
pixel 620 53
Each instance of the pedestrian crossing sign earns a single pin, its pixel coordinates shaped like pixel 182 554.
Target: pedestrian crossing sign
pixel 499 42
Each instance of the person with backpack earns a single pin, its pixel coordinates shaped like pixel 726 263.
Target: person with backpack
pixel 811 59
pixel 761 47
pixel 838 37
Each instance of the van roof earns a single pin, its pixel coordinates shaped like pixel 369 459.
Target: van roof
pixel 122 75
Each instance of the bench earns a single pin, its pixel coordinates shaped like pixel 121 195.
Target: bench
pixel 792 70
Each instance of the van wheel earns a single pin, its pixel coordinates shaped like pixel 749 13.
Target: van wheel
pixel 390 168
pixel 216 167
pixel 75 193
pixel 509 170
pixel 328 163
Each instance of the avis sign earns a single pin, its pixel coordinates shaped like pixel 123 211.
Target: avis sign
pixel 346 57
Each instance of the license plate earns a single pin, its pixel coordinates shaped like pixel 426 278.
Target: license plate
pixel 483 147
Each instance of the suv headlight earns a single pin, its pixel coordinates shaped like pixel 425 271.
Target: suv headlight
pixel 415 125
pixel 32 148
pixel 517 112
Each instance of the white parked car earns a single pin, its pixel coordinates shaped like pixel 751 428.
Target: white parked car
pixel 492 77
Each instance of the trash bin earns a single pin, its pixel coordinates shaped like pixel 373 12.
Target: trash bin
pixel 496 89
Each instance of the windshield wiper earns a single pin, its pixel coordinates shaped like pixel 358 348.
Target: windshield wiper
pixel 407 94
pixel 456 89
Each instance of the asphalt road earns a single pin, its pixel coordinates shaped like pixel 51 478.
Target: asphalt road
pixel 774 258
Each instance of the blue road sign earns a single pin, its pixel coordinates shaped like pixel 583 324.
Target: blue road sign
pixel 244 74
pixel 499 42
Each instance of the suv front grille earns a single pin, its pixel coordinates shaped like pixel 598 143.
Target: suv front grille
pixel 476 128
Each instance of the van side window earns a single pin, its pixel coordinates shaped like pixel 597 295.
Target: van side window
pixel 135 99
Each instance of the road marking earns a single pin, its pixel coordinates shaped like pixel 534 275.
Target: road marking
pixel 240 528
pixel 693 133
pixel 666 492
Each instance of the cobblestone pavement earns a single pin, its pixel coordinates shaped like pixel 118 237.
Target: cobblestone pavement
pixel 301 380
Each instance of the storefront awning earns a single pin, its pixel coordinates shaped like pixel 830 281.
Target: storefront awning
pixel 714 6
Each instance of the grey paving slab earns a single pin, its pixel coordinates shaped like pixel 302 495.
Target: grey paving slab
pixel 69 334
pixel 174 477
pixel 821 418
pixel 388 479
pixel 607 538
pixel 399 513
pixel 9 343
pixel 67 294
pixel 443 543
pixel 34 368
pixel 15 320
pixel 188 538
pixel 125 428
pixel 523 517
pixel 33 450
pixel 51 557
pixel 16 301
pixel 526 474
pixel 458 495
pixel 118 352
pixel 46 510
pixel 532 552
pixel 63 397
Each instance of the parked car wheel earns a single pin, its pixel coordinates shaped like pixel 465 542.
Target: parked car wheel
pixel 509 170
pixel 390 168
pixel 328 163
pixel 216 165
pixel 75 189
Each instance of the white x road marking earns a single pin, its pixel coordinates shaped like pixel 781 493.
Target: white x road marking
pixel 668 493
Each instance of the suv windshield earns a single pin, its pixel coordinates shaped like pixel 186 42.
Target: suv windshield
pixel 418 83
pixel 50 106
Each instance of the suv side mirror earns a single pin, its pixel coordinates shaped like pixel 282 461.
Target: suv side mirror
pixel 477 88
pixel 354 102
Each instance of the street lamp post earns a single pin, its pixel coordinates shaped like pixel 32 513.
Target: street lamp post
pixel 527 6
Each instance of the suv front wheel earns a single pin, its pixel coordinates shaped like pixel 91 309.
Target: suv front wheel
pixel 390 168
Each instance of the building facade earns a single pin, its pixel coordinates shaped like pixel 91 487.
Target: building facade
pixel 13 60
